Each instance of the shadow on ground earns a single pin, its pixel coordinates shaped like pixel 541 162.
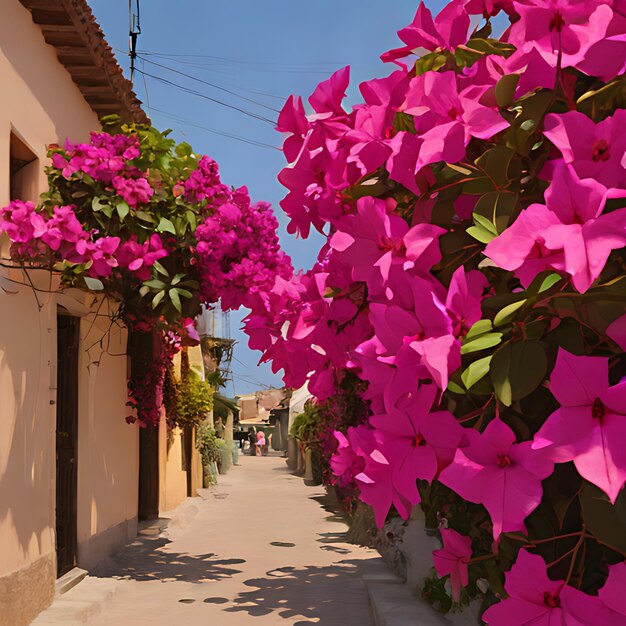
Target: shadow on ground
pixel 326 596
pixel 149 559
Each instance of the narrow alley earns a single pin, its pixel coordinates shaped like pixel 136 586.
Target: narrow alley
pixel 260 548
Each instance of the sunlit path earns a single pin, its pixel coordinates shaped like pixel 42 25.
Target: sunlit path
pixel 257 549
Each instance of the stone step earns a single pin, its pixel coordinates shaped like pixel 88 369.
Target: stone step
pixel 393 604
pixel 80 603
pixel 69 580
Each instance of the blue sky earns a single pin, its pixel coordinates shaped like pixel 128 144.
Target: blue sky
pixel 263 51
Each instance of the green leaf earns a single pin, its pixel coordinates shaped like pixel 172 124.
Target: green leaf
pixel 177 278
pixel 155 283
pixel 191 219
pixel 157 299
pixel 107 209
pixel 482 342
pixel 485 223
pixel 480 234
pixel 431 62
pixel 507 314
pixel 491 46
pixel 144 290
pixel 93 283
pixel 96 204
pixel 166 226
pixel 542 282
pixel 460 169
pixel 479 328
pixel 454 388
pixel 144 217
pixel 185 293
pixel 122 209
pixel 403 122
pixel 498 207
pixel 175 299
pixel 549 281
pixel 517 369
pixel 606 521
pixel 496 163
pixel 183 149
pixel 505 90
pixel 159 268
pixel 476 371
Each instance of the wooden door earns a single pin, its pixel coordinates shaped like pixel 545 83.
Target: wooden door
pixel 68 335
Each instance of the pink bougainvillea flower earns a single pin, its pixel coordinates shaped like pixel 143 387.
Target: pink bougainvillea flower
pixel 448 30
pixel 421 328
pixel 464 299
pixel 135 191
pixel 489 7
pixel 500 474
pixel 570 26
pixel 569 234
pixel 382 485
pixel 446 118
pixel 374 239
pixel 352 450
pixel 606 58
pixel 590 426
pixel 329 94
pixel 595 150
pixel 421 443
pixel 139 258
pixel 612 593
pixel 102 256
pixel 535 599
pixel 453 560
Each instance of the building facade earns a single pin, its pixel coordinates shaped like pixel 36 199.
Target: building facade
pixel 68 460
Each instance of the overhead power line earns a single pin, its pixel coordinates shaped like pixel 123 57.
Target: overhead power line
pixel 209 98
pixel 221 133
pixel 264 66
pixel 205 82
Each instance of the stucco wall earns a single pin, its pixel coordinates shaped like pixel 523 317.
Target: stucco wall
pixel 108 459
pixel 172 476
pixel 41 105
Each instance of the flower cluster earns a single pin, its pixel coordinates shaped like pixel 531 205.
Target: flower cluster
pixel 238 252
pixel 107 159
pixel 204 182
pixel 473 279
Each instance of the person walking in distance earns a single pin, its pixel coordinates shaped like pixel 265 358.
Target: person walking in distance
pixel 260 443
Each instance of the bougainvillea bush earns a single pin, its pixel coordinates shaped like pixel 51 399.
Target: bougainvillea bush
pixel 132 215
pixel 473 279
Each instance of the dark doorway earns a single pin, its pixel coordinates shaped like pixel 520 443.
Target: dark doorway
pixel 68 334
pixel 142 349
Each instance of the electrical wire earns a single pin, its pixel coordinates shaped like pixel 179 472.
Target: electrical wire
pixel 209 98
pixel 204 82
pixel 221 133
pixel 315 67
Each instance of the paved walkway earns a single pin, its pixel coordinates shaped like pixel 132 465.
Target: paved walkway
pixel 258 549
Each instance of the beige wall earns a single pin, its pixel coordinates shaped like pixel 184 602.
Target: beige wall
pixel 108 458
pixel 41 105
pixel 172 476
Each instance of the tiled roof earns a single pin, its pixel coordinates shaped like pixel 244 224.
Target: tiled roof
pixel 71 28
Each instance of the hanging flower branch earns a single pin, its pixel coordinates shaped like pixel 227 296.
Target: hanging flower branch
pixel 134 216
